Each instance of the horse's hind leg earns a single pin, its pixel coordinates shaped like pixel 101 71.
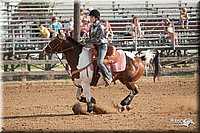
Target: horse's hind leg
pixel 125 103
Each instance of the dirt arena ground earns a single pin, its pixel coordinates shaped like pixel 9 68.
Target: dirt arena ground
pixel 47 106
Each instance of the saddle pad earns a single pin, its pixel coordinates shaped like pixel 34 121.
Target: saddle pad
pixel 121 64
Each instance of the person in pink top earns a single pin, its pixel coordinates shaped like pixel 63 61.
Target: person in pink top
pixel 136 27
pixel 169 31
pixel 85 29
pixel 108 31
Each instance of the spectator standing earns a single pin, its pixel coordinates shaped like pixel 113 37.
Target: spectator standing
pixel 169 31
pixel 54 26
pixel 69 27
pixel 108 31
pixel 184 18
pixel 82 17
pixel 136 27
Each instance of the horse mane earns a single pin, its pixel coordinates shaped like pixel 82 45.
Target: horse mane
pixel 72 40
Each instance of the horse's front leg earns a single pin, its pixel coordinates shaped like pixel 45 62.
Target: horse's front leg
pixel 81 98
pixel 89 100
pixel 79 91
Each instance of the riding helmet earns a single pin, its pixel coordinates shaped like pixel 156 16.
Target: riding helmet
pixel 95 13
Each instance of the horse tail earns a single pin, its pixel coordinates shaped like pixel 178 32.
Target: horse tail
pixel 156 65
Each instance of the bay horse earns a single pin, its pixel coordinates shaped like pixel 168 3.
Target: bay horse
pixel 79 60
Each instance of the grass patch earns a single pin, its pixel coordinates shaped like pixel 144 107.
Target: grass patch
pixel 191 75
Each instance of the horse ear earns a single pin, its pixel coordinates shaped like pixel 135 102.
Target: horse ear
pixel 61 35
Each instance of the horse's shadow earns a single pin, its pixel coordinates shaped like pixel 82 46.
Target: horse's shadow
pixel 34 116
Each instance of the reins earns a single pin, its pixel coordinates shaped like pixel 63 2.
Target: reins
pixel 63 64
pixel 60 42
pixel 70 48
pixel 73 72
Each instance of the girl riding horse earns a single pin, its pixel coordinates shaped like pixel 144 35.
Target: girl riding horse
pixel 79 59
pixel 97 38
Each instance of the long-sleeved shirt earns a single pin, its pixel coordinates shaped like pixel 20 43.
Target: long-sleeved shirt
pixel 96 34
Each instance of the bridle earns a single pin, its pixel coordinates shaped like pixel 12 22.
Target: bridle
pixel 59 45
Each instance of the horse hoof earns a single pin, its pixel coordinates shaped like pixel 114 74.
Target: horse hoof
pixel 128 108
pixel 89 107
pixel 89 110
pixel 93 100
pixel 80 109
pixel 122 109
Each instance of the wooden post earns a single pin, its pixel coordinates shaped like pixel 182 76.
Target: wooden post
pixel 47 66
pixel 13 42
pixel 77 20
pixel 23 69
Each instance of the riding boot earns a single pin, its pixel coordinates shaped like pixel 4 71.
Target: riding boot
pixel 96 75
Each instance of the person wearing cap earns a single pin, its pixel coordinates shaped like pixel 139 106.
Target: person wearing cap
pixel 184 17
pixel 169 31
pixel 54 26
pixel 97 38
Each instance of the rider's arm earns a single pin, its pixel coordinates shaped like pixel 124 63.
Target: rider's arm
pixel 100 34
pixel 98 38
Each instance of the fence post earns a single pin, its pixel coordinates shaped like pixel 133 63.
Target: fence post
pixel 29 65
pixel 77 20
pixel 13 42
pixel 23 69
pixel 47 66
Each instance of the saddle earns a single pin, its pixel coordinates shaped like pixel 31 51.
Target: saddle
pixel 112 56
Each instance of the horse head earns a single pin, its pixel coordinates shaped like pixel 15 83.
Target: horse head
pixel 60 44
pixel 54 46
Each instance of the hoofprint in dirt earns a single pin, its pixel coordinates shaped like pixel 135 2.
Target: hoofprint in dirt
pixel 47 106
